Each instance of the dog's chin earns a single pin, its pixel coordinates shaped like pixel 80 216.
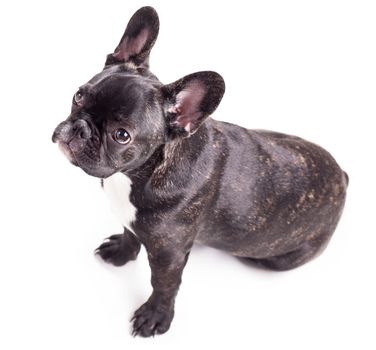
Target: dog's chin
pixel 96 171
pixel 92 168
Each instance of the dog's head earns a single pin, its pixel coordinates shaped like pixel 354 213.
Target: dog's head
pixel 123 114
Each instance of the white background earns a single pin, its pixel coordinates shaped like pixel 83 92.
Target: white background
pixel 300 67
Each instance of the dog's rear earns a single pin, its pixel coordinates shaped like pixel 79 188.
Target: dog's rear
pixel 287 197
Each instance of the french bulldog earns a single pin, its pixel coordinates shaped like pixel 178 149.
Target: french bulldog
pixel 175 176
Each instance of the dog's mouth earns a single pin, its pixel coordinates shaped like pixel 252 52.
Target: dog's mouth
pixel 67 151
pixel 81 153
pixel 76 156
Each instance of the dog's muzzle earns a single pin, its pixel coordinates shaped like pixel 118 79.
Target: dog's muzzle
pixel 67 131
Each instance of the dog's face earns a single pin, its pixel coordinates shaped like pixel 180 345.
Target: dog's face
pixel 116 122
pixel 123 114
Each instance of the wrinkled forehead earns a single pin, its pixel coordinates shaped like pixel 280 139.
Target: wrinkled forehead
pixel 115 70
pixel 118 87
pixel 111 78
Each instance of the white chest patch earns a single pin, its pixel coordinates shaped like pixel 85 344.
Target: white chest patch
pixel 118 189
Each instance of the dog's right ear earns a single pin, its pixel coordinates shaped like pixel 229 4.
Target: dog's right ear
pixel 138 39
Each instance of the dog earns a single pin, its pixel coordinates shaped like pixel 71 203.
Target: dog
pixel 175 176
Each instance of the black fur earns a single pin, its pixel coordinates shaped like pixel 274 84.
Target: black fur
pixel 269 198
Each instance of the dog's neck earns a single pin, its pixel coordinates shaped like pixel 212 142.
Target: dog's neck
pixel 174 159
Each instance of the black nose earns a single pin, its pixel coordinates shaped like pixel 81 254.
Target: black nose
pixel 67 130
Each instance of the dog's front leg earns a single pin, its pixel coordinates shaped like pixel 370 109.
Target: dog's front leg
pixel 167 264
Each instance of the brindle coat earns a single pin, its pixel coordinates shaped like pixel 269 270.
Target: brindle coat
pixel 270 198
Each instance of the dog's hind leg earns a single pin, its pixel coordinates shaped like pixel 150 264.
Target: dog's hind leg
pixel 309 250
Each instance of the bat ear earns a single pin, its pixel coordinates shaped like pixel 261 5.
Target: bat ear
pixel 190 100
pixel 138 39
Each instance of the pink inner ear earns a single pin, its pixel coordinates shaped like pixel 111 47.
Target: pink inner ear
pixel 188 103
pixel 131 46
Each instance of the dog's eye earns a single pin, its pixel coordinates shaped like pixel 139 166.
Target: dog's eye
pixel 78 97
pixel 121 136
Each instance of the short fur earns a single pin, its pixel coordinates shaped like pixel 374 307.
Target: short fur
pixel 267 197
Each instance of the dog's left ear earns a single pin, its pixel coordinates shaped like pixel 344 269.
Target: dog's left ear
pixel 138 39
pixel 190 100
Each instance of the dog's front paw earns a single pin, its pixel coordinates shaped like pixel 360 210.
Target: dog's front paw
pixel 152 318
pixel 119 249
